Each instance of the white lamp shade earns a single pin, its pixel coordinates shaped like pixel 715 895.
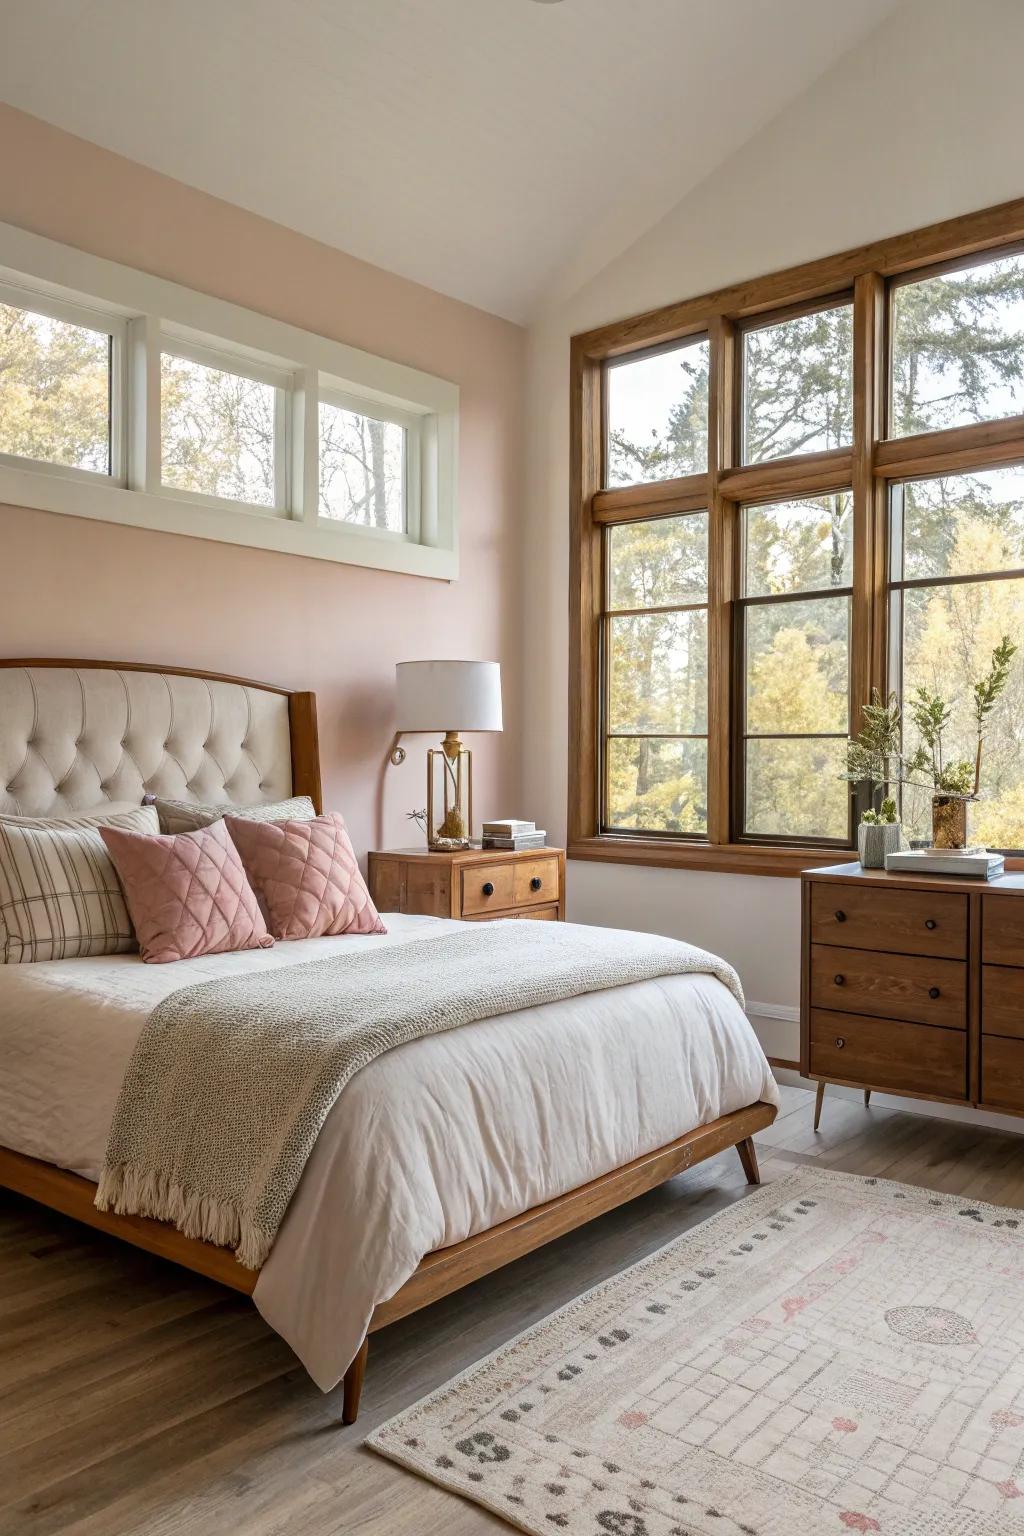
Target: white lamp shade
pixel 448 696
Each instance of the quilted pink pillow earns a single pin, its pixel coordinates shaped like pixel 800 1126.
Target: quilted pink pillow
pixel 186 894
pixel 306 877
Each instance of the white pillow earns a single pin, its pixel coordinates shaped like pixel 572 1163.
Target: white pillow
pixel 190 815
pixel 60 897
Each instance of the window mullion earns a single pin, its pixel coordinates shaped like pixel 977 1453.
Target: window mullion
pixel 723 517
pixel 867 651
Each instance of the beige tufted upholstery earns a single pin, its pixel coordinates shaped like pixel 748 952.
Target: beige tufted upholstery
pixel 73 738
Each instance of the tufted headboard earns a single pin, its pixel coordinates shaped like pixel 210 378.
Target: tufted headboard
pixel 77 734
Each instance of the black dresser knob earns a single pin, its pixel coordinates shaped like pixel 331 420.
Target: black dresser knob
pixel 933 991
pixel 488 888
pixel 840 1042
pixel 839 980
pixel 535 883
pixel 930 922
pixel 840 917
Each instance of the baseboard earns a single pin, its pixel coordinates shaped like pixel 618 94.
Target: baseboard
pixel 777 1027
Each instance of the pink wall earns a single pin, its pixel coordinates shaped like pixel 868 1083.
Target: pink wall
pixel 76 588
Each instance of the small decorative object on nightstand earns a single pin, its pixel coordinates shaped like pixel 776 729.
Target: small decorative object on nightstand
pixel 470 883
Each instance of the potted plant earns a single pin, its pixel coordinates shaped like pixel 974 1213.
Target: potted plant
pixel 875 758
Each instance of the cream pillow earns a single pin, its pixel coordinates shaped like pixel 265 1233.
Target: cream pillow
pixel 190 815
pixel 60 897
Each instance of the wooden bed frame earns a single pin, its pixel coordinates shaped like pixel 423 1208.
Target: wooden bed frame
pixel 444 1270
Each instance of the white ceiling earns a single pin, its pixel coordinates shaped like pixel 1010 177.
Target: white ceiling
pixel 496 150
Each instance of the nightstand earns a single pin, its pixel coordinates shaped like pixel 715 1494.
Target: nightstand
pixel 474 884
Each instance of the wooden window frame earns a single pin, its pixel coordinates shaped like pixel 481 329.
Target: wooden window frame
pixel 867 467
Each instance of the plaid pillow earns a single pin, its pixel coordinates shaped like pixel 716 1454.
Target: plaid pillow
pixel 60 897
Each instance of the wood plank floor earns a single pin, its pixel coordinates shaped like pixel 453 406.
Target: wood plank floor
pixel 135 1398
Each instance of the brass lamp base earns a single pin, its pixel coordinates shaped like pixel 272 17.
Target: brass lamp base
pixel 449 794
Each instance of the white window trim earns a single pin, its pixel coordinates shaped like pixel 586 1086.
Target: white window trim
pixel 151 314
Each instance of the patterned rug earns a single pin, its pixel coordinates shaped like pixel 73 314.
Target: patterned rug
pixel 830 1354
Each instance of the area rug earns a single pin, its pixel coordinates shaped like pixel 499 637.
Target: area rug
pixel 830 1354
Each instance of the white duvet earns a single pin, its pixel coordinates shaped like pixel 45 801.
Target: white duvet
pixel 432 1142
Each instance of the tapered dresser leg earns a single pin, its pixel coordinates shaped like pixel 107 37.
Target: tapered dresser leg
pixel 748 1157
pixel 354 1384
pixel 867 1097
pixel 819 1099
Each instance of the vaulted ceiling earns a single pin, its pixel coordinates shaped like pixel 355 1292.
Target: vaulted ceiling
pixel 496 150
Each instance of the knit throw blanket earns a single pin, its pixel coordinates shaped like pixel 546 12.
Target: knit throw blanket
pixel 232 1080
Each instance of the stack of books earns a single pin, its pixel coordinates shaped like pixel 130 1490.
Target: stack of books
pixel 974 862
pixel 512 835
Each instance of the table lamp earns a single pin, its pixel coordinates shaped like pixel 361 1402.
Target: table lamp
pixel 448 696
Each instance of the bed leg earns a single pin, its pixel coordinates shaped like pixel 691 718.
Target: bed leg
pixel 748 1157
pixel 867 1097
pixel 819 1098
pixel 354 1384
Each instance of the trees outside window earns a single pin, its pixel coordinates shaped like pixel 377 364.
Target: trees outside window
pixel 723 703
pixel 55 382
pixel 362 469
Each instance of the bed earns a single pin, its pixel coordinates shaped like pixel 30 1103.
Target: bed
pixel 445 1158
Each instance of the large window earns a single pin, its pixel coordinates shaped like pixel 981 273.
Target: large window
pixel 794 613
pixel 656 650
pixel 958 587
pixel 788 495
pixel 132 400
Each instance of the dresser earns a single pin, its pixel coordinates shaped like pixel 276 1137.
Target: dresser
pixel 914 985
pixel 473 884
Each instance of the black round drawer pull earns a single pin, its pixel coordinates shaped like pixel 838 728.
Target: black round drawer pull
pixel 840 917
pixel 488 888
pixel 933 991
pixel 839 980
pixel 930 922
pixel 840 1042
pixel 535 883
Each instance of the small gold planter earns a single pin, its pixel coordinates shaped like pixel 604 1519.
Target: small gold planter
pixel 949 821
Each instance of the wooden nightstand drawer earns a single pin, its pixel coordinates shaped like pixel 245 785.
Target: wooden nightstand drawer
pixel 1002 1001
pixel 911 987
pixel 536 881
pixel 534 914
pixel 888 1053
pixel 488 888
pixel 906 922
pixel 471 884
pixel 1002 1073
pixel 1002 930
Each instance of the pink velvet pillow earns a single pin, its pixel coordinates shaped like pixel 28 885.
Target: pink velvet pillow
pixel 306 877
pixel 186 894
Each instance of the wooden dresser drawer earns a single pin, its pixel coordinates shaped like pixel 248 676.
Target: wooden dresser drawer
pixel 1002 930
pixel 1002 1001
pixel 535 881
pixel 1002 1073
pixel 905 922
pixel 912 987
pixel 887 1053
pixel 488 888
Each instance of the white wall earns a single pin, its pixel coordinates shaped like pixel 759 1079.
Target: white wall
pixel 924 121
